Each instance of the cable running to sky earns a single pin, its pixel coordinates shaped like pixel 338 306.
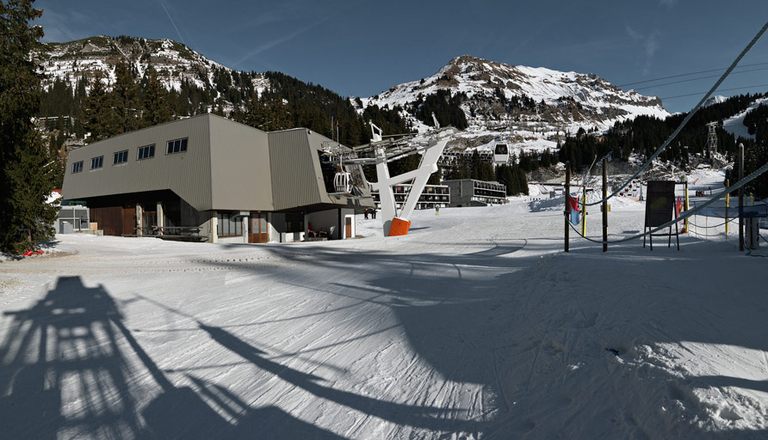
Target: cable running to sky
pixel 685 121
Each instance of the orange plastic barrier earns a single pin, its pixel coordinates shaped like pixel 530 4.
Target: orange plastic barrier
pixel 399 227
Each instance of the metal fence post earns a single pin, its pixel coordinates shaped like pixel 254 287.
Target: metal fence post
pixel 584 209
pixel 741 198
pixel 605 205
pixel 567 206
pixel 727 205
pixel 686 207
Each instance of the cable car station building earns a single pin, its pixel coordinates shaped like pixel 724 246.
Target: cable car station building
pixel 211 179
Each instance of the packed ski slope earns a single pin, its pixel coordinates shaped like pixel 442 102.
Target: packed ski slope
pixel 474 326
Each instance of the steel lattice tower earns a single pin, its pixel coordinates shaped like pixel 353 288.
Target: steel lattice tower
pixel 712 137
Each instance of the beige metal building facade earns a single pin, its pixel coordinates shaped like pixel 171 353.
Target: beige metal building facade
pixel 212 178
pixel 471 192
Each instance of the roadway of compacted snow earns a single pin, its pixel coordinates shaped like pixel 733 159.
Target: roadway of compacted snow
pixel 476 325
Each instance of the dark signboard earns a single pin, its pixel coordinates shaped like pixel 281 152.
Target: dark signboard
pixel 660 203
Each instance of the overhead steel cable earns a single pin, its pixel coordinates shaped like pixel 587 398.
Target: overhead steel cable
pixel 753 86
pixel 687 118
pixel 699 78
pixel 682 75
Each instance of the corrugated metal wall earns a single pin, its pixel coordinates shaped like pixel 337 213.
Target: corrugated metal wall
pixel 240 167
pixel 227 166
pixel 188 174
pixel 295 181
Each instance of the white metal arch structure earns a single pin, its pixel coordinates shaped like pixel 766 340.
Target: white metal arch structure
pixel 386 150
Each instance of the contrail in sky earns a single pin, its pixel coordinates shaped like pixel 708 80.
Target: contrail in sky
pixel 165 8
pixel 270 44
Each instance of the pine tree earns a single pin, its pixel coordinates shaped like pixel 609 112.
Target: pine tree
pixel 100 115
pixel 126 99
pixel 521 181
pixel 25 178
pixel 505 175
pixel 155 106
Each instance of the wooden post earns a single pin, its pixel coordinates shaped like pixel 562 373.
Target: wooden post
pixel 605 205
pixel 567 206
pixel 741 198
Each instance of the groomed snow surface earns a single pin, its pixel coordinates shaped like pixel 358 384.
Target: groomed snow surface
pixel 476 325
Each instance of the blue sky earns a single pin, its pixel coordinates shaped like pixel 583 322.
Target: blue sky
pixel 361 47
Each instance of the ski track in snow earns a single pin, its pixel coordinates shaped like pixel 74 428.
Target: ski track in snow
pixel 474 326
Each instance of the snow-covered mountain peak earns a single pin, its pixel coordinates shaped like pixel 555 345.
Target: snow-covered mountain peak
pixel 175 62
pixel 515 103
pixel 477 76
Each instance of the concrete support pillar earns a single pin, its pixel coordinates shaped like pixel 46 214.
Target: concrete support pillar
pixel 270 236
pixel 160 217
pixel 139 220
pixel 213 230
pixel 246 223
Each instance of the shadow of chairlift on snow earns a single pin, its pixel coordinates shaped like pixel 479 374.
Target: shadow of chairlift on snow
pixel 70 343
pixel 432 418
pixel 475 325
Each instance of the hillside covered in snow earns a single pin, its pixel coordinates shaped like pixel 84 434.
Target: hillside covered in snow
pixel 531 107
pixel 175 62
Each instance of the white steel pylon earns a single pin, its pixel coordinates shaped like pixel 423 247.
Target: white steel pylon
pixel 398 223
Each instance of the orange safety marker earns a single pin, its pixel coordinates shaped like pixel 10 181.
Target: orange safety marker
pixel 399 226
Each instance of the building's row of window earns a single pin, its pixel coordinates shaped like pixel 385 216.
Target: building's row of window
pixel 229 225
pixel 176 146
pixel 146 152
pixel 143 152
pixel 120 157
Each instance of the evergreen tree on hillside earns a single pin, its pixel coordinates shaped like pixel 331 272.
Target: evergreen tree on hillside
pixel 126 99
pixel 388 120
pixel 156 107
pixel 514 178
pixel 313 107
pixel 100 113
pixel 504 175
pixel 58 100
pixel 267 113
pixel 445 107
pixel 521 181
pixel 644 134
pixel 25 176
pixel 481 169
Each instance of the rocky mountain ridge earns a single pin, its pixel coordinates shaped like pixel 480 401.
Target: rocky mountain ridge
pixel 529 106
pixel 526 107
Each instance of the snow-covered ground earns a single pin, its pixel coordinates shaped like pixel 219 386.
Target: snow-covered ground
pixel 735 124
pixel 476 325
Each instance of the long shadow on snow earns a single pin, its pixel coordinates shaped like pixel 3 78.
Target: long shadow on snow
pixel 510 324
pixel 411 415
pixel 71 347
